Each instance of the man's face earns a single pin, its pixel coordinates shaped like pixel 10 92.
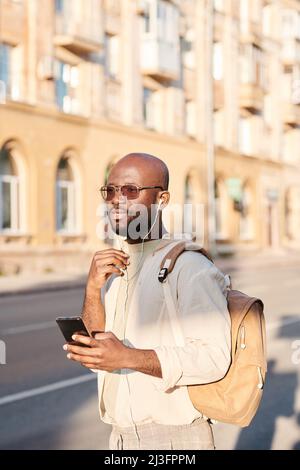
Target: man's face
pixel 121 210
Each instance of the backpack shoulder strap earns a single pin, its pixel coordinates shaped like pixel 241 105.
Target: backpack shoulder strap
pixel 168 262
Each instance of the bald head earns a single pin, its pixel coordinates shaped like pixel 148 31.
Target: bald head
pixel 152 170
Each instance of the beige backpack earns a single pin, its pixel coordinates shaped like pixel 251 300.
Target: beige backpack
pixel 235 398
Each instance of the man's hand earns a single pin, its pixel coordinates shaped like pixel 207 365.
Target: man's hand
pixel 104 264
pixel 105 352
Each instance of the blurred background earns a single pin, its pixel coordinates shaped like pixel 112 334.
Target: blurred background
pixel 210 86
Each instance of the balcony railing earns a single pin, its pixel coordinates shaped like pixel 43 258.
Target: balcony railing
pixel 160 59
pixel 83 36
pixel 291 113
pixel 12 21
pixel 112 16
pixel 250 32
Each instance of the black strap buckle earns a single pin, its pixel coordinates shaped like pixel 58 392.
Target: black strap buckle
pixel 163 274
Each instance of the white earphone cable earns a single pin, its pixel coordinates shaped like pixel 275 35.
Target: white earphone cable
pixel 125 306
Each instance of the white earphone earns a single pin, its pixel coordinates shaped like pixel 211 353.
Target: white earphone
pixel 125 272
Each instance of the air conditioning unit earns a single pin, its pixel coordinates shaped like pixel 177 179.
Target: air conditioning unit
pixel 48 68
pixel 2 92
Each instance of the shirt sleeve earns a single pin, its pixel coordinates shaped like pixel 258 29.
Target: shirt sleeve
pixel 205 323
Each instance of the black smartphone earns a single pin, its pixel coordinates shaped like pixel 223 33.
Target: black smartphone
pixel 70 325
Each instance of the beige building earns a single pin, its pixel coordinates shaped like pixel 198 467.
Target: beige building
pixel 83 82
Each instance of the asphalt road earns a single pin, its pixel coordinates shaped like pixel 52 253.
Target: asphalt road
pixel 46 402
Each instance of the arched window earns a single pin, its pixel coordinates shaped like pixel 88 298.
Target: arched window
pixel 222 209
pixel 66 198
pixel 292 213
pixel 9 193
pixel 193 214
pixel 246 215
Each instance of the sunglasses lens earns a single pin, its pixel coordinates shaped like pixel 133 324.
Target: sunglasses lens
pixel 130 191
pixel 108 193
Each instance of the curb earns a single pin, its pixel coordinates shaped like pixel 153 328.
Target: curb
pixel 69 285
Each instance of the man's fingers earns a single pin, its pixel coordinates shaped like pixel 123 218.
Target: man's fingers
pixel 111 270
pixel 84 351
pixel 111 260
pixel 111 252
pixel 81 359
pixel 85 340
pixel 105 335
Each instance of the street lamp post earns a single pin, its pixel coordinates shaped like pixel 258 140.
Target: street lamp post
pixel 210 146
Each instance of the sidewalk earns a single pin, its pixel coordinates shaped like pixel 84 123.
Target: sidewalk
pixel 43 282
pixel 34 283
pixel 251 261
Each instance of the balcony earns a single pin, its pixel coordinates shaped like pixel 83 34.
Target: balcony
pixel 160 60
pixel 78 36
pixel 291 114
pixel 290 53
pixel 251 97
pixel 112 23
pixel 250 32
pixel 12 22
pixel 218 26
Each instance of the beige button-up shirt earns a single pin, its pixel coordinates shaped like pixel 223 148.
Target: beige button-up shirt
pixel 199 291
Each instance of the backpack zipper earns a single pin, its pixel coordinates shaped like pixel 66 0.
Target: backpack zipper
pixel 243 337
pixel 260 384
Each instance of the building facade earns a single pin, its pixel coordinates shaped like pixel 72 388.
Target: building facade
pixel 256 116
pixel 84 82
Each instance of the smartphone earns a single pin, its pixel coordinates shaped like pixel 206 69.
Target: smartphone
pixel 70 325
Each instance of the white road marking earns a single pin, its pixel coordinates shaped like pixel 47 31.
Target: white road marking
pixel 46 389
pixel 26 328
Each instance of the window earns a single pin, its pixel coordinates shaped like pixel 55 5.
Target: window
pixel 187 48
pixel 66 220
pixel 160 19
pixel 291 84
pixel 245 140
pixel 189 222
pixel 219 5
pixel 222 209
pixel 217 61
pixel 146 18
pixel 149 108
pixel 59 6
pixel 246 218
pixel 290 24
pixel 253 70
pixel 190 123
pixel 66 85
pixel 250 12
pixel 112 55
pixel 5 67
pixel 9 194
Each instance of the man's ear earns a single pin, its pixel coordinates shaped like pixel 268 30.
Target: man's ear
pixel 164 198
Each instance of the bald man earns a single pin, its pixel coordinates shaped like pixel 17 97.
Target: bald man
pixel 142 373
